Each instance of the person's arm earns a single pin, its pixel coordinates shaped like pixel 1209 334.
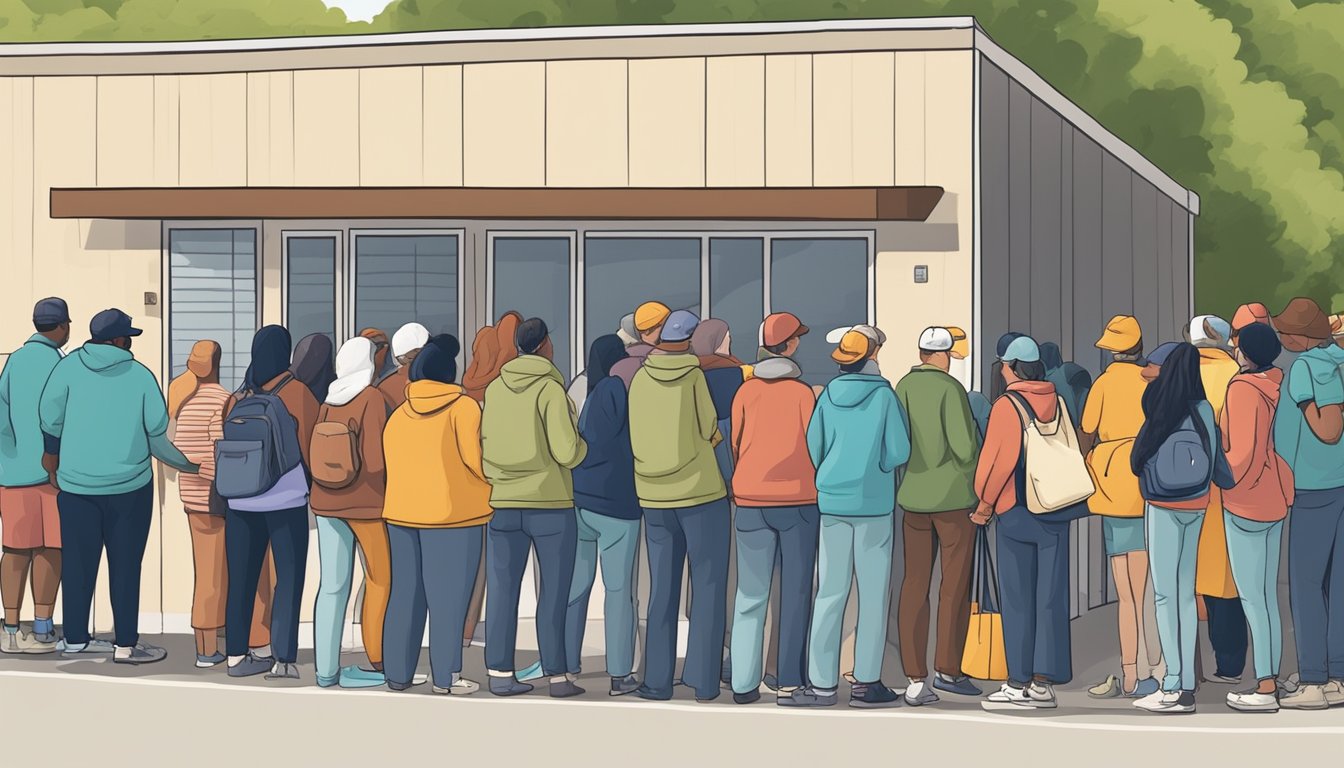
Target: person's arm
pixel 1326 422
pixel 215 429
pixel 466 433
pixel 959 424
pixel 816 436
pixel 371 434
pixel 706 417
pixel 895 436
pixel 6 425
pixel 738 422
pixel 1241 428
pixel 604 414
pixel 1090 424
pixel 998 457
pixel 154 418
pixel 560 427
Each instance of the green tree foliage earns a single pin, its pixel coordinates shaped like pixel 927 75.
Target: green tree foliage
pixel 1240 100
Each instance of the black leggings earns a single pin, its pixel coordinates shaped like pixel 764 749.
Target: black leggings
pixel 246 535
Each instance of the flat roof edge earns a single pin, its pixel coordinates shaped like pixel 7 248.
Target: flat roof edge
pixel 1027 77
pixel 487 35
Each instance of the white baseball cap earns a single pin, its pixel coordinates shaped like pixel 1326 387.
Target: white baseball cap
pixel 936 339
pixel 871 331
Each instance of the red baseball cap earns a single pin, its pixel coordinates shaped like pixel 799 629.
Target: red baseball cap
pixel 780 327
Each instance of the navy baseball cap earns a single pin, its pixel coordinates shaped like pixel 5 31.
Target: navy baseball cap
pixel 112 324
pixel 1163 351
pixel 52 311
pixel 680 325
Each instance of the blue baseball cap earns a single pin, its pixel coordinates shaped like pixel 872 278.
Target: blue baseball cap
pixel 1159 356
pixel 680 325
pixel 1023 349
pixel 52 311
pixel 112 324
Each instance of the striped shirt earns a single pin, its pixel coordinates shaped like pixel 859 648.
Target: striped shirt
pixel 200 424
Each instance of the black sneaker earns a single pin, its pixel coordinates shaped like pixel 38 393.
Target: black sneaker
pixel 750 697
pixel 806 698
pixel 873 696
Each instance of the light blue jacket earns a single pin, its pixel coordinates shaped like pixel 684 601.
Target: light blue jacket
pixel 109 414
pixel 1314 377
pixel 21 386
pixel 858 438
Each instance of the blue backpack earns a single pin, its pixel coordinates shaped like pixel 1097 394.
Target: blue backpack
pixel 1185 465
pixel 260 445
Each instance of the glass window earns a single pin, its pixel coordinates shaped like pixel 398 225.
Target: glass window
pixel 212 294
pixel 736 291
pixel 311 289
pixel 620 273
pixel 825 283
pixel 406 278
pixel 531 277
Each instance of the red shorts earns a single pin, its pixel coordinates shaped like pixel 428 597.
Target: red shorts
pixel 28 518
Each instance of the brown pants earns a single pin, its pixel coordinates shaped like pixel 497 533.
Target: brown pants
pixel 212 580
pixel 951 536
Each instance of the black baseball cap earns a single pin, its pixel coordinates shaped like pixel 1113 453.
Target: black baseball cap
pixel 52 311
pixel 112 324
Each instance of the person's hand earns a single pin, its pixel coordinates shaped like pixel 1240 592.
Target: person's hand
pixel 982 515
pixel 192 469
pixel 51 479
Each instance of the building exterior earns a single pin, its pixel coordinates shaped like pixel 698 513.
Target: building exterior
pixel 906 172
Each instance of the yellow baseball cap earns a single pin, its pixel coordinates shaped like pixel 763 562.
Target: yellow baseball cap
pixel 650 315
pixel 1122 334
pixel 854 346
pixel 961 346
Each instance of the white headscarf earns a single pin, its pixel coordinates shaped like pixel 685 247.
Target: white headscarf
pixel 354 371
pixel 408 338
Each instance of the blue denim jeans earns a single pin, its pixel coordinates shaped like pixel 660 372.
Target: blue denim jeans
pixel 764 535
pixel 852 549
pixel 615 543
pixel 434 572
pixel 1034 597
pixel 1316 583
pixel 512 535
pixel 1173 548
pixel 1253 549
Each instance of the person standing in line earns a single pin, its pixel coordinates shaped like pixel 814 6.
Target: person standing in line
pixel 406 344
pixel 649 320
pixel 1217 591
pixel 349 482
pixel 276 518
pixel 1175 457
pixel 937 497
pixel 196 404
pixel 1308 425
pixel 1033 550
pixel 28 510
pixel 382 354
pixel 103 416
pixel 314 364
pixel 437 508
pixel 777 517
pixel 1071 380
pixel 530 446
pixel 1111 419
pixel 673 431
pixel 1256 506
pixel 578 388
pixel 609 520
pixel 857 439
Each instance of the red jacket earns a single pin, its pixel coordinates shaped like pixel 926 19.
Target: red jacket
pixel 1003 443
pixel 1264 488
pixel 771 412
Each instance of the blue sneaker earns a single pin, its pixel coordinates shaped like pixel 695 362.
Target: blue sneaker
pixel 354 677
pixel 533 672
pixel 961 686
pixel 1145 687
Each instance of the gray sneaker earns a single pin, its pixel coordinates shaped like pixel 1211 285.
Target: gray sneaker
pixel 621 686
pixel 95 647
pixel 283 671
pixel 251 666
pixel 920 693
pixel 140 653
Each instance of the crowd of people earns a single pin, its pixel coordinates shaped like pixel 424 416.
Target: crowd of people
pixel 1194 454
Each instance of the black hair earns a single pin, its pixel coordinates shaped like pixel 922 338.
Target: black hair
pixel 46 327
pixel 855 367
pixel 1172 397
pixel 1136 350
pixel 1028 371
pixel 447 343
pixel 435 363
pixel 605 352
pixel 997 386
pixel 530 335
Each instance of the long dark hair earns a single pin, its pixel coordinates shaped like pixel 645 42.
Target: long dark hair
pixel 1172 397
pixel 605 352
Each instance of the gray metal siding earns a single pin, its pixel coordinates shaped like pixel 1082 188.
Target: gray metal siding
pixel 1019 207
pixel 1117 237
pixel 1167 327
pixel 1087 270
pixel 995 253
pixel 1143 226
pixel 1046 234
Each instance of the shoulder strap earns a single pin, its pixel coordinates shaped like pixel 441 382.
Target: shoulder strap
pixel 1023 408
pixel 276 389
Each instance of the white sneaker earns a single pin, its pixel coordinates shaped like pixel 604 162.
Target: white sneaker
pixel 1168 703
pixel 1007 698
pixel 19 641
pixel 461 687
pixel 1156 701
pixel 1334 693
pixel 920 693
pixel 1306 697
pixel 1253 701
pixel 1042 696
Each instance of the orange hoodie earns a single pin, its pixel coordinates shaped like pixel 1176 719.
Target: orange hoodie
pixel 1264 488
pixel 772 467
pixel 432 446
pixel 1003 443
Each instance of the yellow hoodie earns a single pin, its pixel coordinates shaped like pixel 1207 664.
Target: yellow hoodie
pixel 432 444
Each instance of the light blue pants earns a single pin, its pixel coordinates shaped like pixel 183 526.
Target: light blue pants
pixel 1253 549
pixel 1173 547
pixel 336 554
pixel 614 542
pixel 853 549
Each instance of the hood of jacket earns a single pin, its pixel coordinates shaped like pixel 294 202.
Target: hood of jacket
pixel 1268 382
pixel 1323 364
pixel 773 368
pixel 354 371
pixel 639 351
pixel 526 371
pixel 854 390
pixel 670 368
pixel 1040 395
pixel 427 397
pixel 100 358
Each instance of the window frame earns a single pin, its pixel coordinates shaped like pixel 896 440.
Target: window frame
pixel 572 235
pixel 351 268
pixel 342 329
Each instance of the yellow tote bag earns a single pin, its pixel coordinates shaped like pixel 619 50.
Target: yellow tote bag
pixel 984 657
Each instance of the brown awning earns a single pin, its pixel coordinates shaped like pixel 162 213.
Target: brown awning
pixel 764 203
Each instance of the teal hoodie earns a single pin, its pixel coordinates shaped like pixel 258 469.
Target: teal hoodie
pixel 1314 377
pixel 21 385
pixel 109 414
pixel 858 438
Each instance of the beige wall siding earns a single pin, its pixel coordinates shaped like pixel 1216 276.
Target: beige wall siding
pixel 735 121
pixel 18 201
pixel 391 125
pixel 667 123
pixel 587 118
pixel 270 129
pixel 326 128
pixel 212 130
pixel 125 131
pixel 909 112
pixel 504 124
pixel 852 103
pixel 442 114
pixel 788 121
